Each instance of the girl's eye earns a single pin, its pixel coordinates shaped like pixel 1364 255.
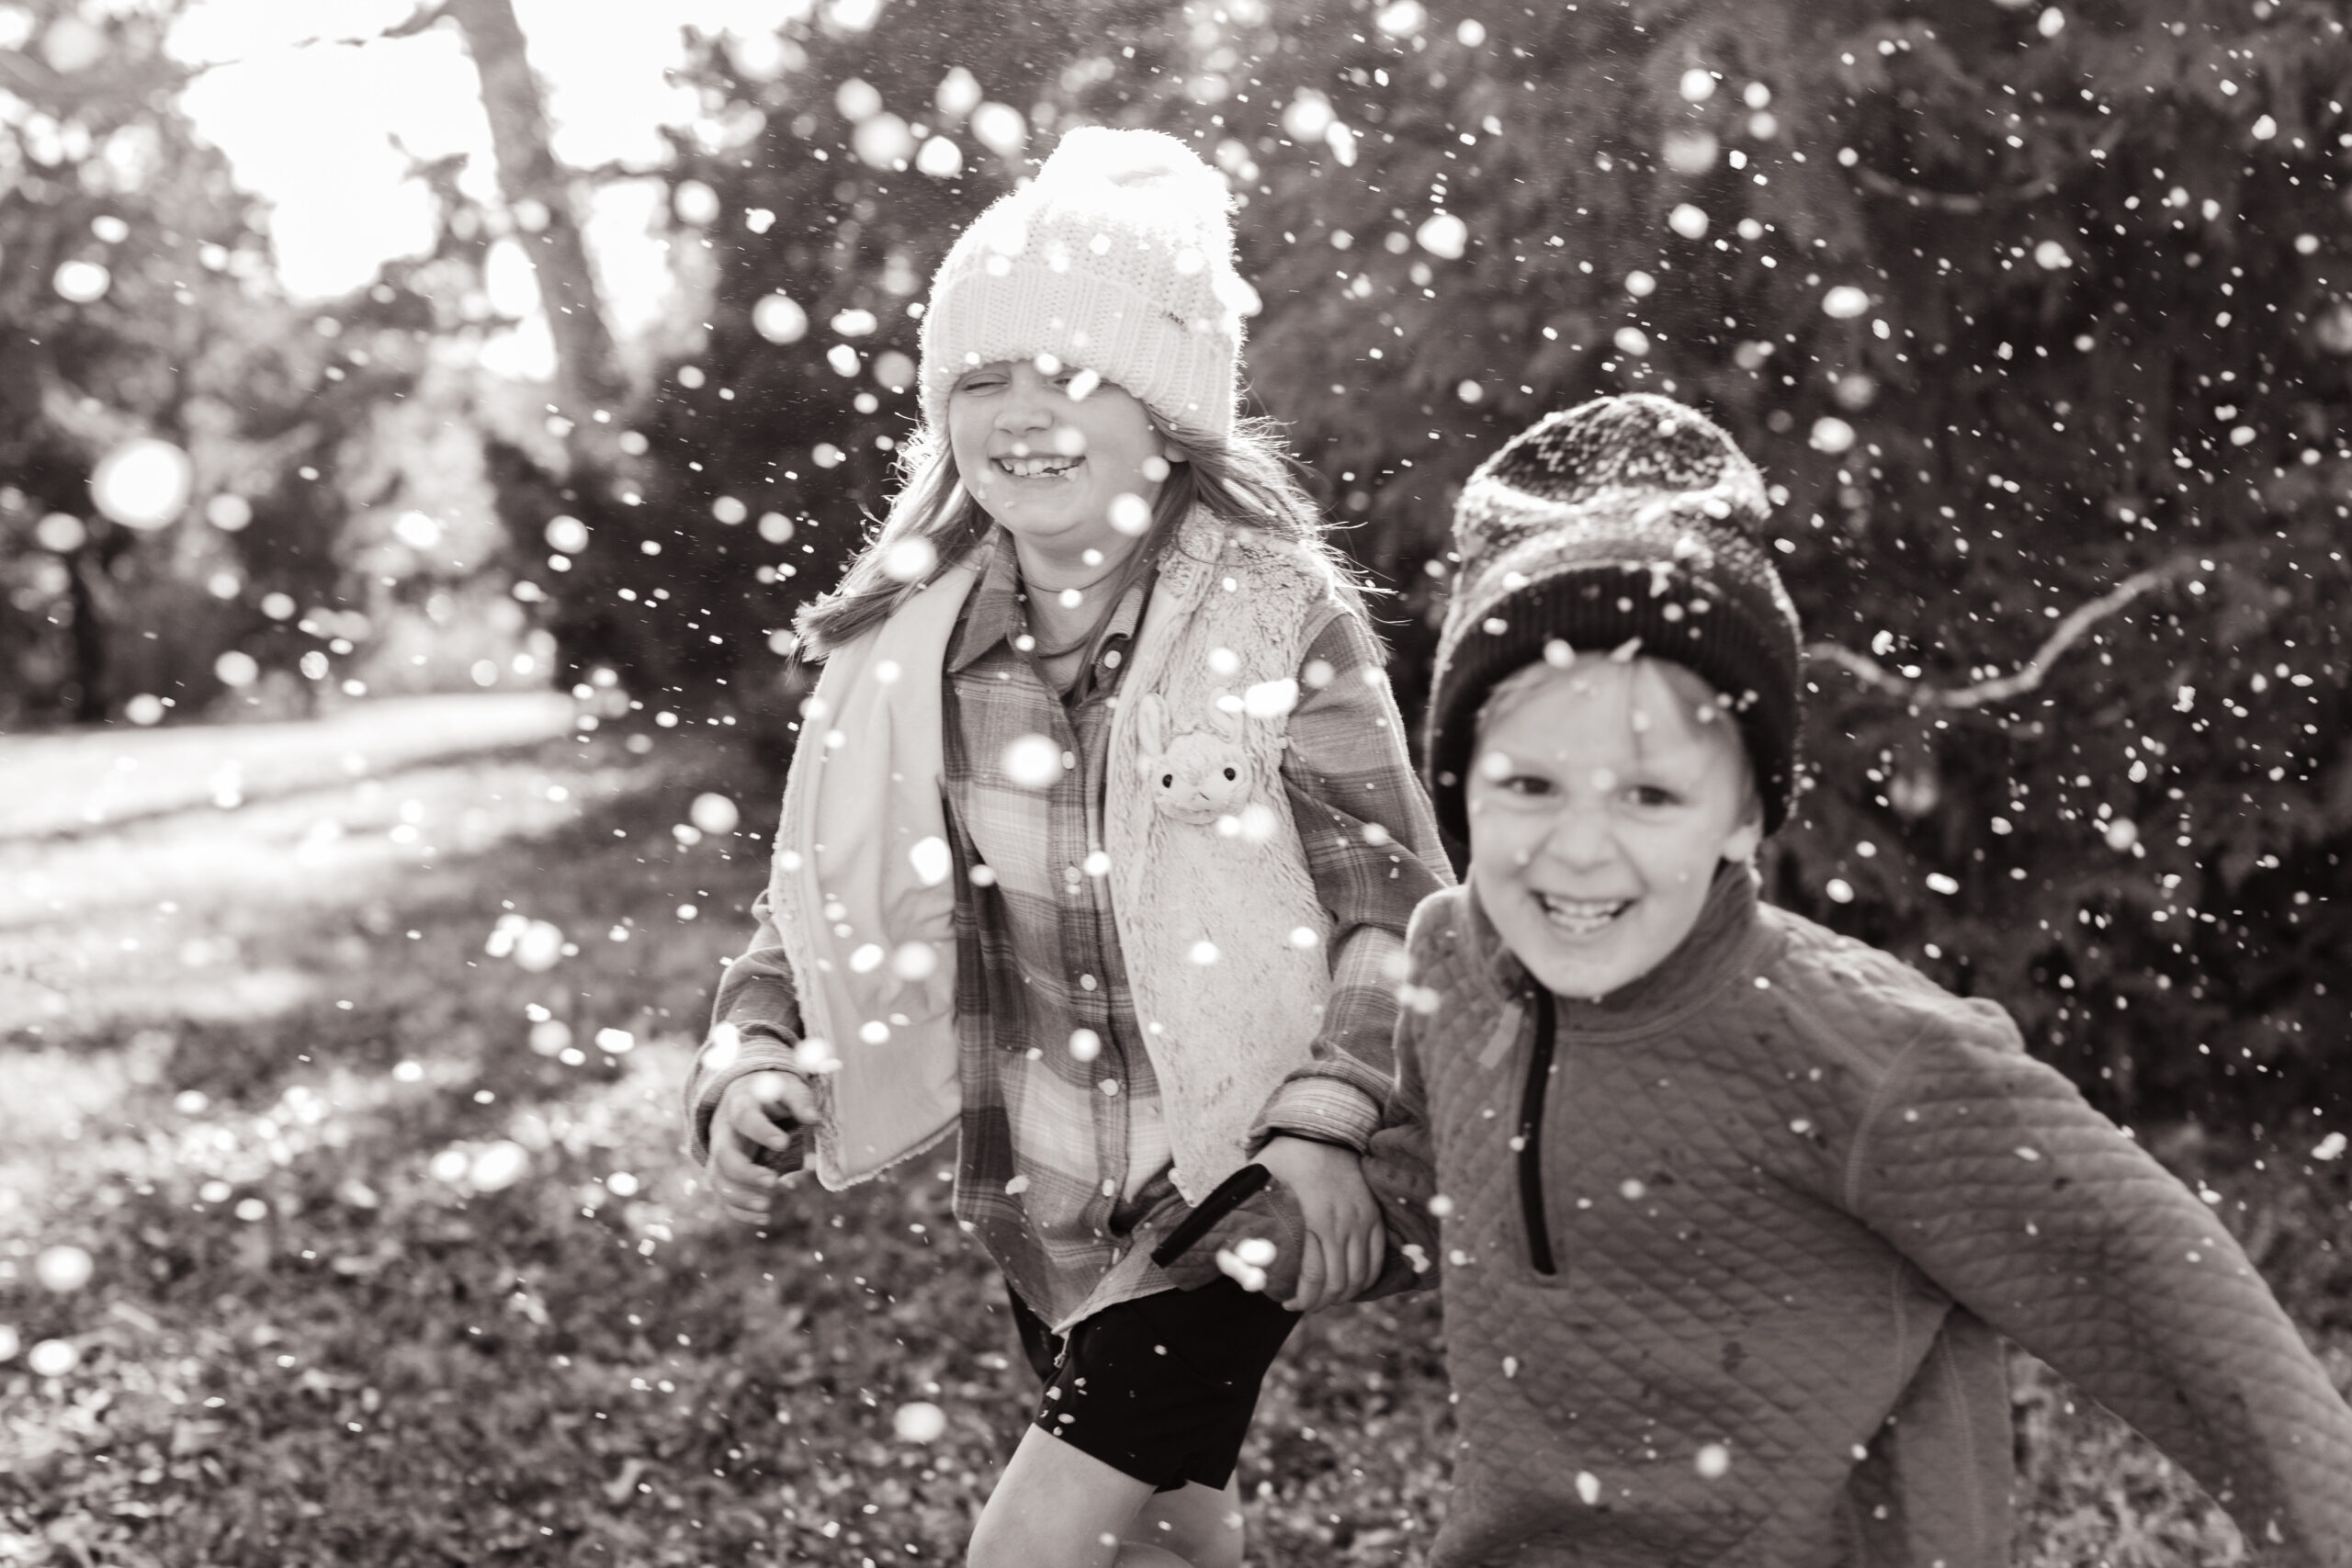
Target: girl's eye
pixel 1652 796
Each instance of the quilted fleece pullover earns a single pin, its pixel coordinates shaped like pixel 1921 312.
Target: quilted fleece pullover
pixel 1735 1297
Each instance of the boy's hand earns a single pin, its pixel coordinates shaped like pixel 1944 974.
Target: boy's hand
pixel 1345 1240
pixel 745 1124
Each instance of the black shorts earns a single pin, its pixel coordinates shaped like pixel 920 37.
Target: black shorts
pixel 1161 1388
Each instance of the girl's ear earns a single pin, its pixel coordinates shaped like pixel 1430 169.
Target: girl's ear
pixel 1741 844
pixel 1151 724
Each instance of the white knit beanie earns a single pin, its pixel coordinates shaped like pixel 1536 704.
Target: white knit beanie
pixel 1118 259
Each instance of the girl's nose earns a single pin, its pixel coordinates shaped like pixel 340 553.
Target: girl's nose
pixel 1021 411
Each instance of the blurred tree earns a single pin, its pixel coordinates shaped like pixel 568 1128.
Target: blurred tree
pixel 538 195
pixel 174 429
pixel 2037 319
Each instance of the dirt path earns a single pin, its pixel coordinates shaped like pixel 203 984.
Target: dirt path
pixel 91 779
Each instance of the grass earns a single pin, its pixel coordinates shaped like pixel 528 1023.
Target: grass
pixel 378 1274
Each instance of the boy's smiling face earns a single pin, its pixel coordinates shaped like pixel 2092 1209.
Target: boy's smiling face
pixel 1601 798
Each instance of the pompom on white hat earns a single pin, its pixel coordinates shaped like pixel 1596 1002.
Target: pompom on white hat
pixel 1118 259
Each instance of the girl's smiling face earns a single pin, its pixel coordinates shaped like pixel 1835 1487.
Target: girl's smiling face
pixel 1048 451
pixel 1601 798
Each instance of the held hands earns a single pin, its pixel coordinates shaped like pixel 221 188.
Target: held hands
pixel 1345 1242
pixel 755 1117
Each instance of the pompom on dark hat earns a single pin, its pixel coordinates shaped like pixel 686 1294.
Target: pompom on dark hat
pixel 1627 517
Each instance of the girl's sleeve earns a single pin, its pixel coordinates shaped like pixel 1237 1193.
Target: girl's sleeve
pixel 1400 1167
pixel 1372 850
pixel 754 1025
pixel 2038 1214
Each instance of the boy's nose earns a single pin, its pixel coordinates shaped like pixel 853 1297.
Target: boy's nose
pixel 1579 839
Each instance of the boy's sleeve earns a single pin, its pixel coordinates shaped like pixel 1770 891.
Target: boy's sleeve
pixel 1372 850
pixel 2033 1210
pixel 754 1025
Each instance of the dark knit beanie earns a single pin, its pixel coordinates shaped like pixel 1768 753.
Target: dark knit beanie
pixel 1630 517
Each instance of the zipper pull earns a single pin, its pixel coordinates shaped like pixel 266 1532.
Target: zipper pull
pixel 1505 1036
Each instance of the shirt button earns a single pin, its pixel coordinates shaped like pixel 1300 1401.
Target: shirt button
pixel 1110 1086
pixel 1071 874
pixel 1111 659
pixel 1110 1188
pixel 1086 982
pixel 1069 761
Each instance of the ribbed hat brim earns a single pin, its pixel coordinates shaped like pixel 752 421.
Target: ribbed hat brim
pixel 1594 599
pixel 1184 375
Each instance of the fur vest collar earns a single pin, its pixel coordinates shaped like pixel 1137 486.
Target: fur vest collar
pixel 1225 939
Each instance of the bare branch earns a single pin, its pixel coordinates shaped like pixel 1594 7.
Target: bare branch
pixel 420 21
pixel 2029 675
pixel 614 169
pixel 1962 202
pixel 27 77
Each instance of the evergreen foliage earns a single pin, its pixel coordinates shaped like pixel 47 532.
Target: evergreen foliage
pixel 2019 309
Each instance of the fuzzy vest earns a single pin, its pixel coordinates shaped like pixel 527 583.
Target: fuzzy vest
pixel 1225 938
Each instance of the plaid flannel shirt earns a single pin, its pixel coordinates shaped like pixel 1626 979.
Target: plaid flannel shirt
pixel 1063 1169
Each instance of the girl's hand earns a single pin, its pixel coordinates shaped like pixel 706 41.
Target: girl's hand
pixel 1345 1241
pixel 746 1122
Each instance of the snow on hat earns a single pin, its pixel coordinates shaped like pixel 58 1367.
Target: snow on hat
pixel 1629 517
pixel 1118 258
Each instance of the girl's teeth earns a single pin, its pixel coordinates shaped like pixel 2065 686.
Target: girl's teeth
pixel 1035 467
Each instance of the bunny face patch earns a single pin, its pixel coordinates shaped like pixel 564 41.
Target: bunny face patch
pixel 1195 777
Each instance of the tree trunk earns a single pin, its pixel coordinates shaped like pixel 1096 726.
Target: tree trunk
pixel 89 639
pixel 588 375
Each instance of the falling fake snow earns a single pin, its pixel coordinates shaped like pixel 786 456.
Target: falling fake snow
pixel 919 1422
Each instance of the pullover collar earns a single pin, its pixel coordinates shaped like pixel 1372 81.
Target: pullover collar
pixel 1726 942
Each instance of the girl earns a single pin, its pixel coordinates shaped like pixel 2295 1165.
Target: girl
pixel 1097 852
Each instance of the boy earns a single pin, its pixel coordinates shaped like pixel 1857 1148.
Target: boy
pixel 1735 1210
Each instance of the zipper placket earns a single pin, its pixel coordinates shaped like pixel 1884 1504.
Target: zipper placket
pixel 1531 1138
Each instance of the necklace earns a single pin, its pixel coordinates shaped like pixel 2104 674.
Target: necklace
pixel 1089 629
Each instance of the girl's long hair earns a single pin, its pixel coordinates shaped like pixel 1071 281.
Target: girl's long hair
pixel 1248 479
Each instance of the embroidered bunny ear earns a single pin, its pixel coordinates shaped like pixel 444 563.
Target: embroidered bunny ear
pixel 1226 721
pixel 1151 728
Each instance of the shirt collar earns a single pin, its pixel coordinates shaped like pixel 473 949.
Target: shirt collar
pixel 993 613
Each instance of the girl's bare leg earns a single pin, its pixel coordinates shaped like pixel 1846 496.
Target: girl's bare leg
pixel 1200 1524
pixel 1057 1506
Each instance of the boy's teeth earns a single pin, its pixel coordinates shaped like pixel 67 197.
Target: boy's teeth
pixel 1581 915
